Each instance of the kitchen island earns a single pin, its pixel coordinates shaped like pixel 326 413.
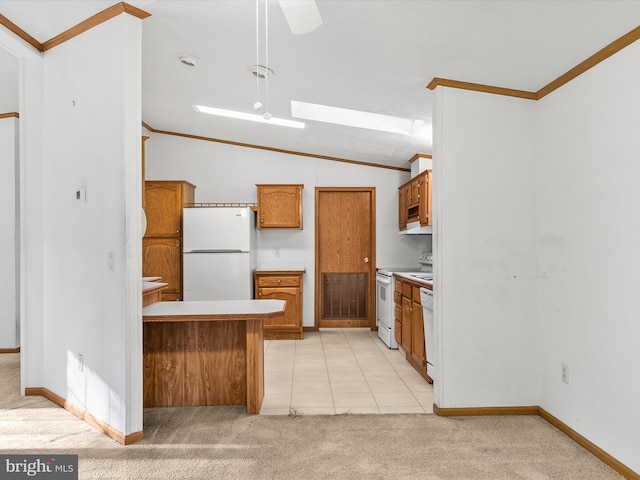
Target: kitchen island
pixel 198 353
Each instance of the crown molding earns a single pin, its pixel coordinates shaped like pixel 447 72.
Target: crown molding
pixel 95 20
pixel 601 55
pixel 89 23
pixel 611 49
pixel 12 27
pixel 478 87
pixel 420 155
pixel 271 149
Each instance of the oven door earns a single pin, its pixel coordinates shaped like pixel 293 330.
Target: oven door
pixel 384 310
pixel 384 302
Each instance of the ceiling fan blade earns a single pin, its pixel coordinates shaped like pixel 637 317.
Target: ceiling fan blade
pixel 302 15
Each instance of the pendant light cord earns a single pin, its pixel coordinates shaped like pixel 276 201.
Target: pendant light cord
pixel 257 52
pixel 266 52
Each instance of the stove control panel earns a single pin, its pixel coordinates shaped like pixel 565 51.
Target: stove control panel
pixel 426 258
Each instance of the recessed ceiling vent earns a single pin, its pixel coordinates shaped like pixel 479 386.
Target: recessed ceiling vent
pixel 189 60
pixel 261 71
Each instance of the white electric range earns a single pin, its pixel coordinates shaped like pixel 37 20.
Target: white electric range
pixel 385 286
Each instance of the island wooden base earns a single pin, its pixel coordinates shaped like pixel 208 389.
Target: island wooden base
pixel 197 363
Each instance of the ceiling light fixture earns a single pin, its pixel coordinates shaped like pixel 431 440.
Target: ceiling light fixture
pixel 261 71
pixel 221 112
pixel 189 60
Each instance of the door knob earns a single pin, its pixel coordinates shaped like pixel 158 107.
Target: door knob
pixel 366 259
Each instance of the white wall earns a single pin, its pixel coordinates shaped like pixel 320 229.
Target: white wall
pixel 91 102
pixel 226 173
pixel 8 82
pixel 9 320
pixel 589 254
pixel 484 245
pixel 536 240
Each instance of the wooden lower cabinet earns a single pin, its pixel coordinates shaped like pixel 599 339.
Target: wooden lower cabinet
pixel 163 257
pixel 162 243
pixel 281 285
pixel 417 331
pixel 409 325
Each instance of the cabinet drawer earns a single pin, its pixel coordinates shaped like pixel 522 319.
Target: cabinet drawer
pixel 398 286
pixel 397 297
pixel 278 281
pixel 398 313
pixel 406 289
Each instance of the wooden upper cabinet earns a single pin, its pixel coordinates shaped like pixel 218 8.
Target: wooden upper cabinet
pixel 425 199
pixel 414 201
pixel 402 209
pixel 164 203
pixel 280 206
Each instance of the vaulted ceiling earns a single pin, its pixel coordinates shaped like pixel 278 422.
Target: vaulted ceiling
pixel 375 56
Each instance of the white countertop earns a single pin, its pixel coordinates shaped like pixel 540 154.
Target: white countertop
pixel 151 285
pixel 151 279
pixel 214 307
pixel 281 269
pixel 408 276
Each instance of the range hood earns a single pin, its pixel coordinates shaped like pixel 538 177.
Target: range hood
pixel 414 228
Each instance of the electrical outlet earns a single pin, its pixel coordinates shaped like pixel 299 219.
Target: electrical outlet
pixel 564 372
pixel 276 252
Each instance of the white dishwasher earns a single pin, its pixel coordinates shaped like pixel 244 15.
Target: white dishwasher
pixel 426 300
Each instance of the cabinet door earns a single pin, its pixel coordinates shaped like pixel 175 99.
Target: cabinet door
pixel 163 257
pixel 293 309
pixel 398 324
pixel 280 206
pixel 407 319
pixel 164 209
pixel 402 209
pixel 408 199
pixel 417 335
pixel 425 199
pixel 415 190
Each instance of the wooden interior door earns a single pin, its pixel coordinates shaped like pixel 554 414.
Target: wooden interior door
pixel 345 257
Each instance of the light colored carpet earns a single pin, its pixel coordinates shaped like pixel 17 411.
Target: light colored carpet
pixel 225 443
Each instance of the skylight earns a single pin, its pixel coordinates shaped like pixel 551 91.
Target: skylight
pixel 356 118
pixel 221 112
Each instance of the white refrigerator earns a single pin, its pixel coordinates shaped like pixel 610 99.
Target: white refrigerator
pixel 218 253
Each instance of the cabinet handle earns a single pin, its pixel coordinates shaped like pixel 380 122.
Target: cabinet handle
pixel 278 281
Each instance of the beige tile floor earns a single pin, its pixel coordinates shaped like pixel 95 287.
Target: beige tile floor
pixel 336 371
